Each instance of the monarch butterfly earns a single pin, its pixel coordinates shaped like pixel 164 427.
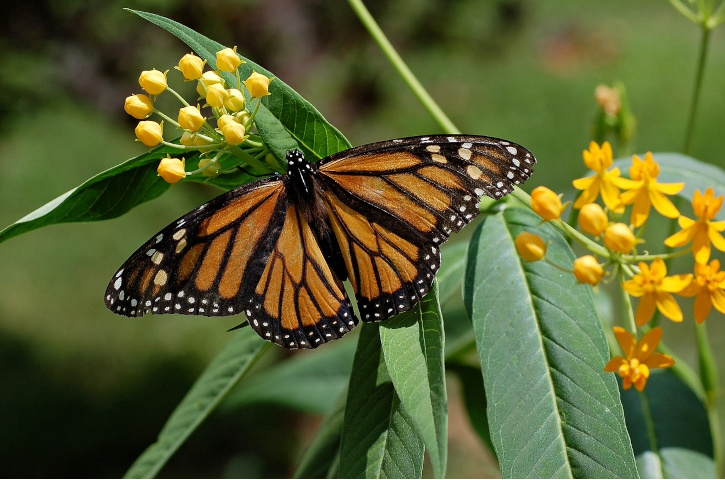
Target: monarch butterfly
pixel 278 249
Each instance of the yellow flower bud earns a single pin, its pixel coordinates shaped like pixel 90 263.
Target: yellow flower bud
pixel 187 139
pixel 149 132
pixel 234 133
pixel 172 169
pixel 588 270
pixel 190 118
pixel 593 219
pixel 235 101
pixel 546 203
pixel 258 85
pixel 224 120
pixel 216 94
pixel 207 79
pixel 153 81
pixel 531 246
pixel 191 66
pixel 211 167
pixel 227 60
pixel 139 106
pixel 619 237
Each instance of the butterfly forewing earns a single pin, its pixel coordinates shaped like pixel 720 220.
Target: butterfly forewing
pixel 208 261
pixel 392 204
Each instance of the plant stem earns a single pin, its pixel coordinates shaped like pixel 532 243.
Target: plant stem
pixel 709 379
pixel 704 43
pixel 389 51
pixel 627 304
pixel 650 426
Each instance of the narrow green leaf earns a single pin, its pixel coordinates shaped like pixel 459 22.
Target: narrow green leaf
pixel 378 436
pixel 106 195
pixel 684 441
pixel 285 120
pixel 321 456
pixel 232 363
pixel 412 345
pixel 474 397
pixel 453 265
pixel 113 192
pixel 309 381
pixel 552 410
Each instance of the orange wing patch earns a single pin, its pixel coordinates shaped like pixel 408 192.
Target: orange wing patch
pixel 388 273
pixel 202 263
pixel 298 302
pixel 375 163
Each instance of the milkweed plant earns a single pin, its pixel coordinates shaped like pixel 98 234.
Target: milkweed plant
pixel 561 354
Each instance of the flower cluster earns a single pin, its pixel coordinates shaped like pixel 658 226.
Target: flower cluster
pixel 613 235
pixel 225 133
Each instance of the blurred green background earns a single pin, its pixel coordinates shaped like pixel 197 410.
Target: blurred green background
pixel 82 391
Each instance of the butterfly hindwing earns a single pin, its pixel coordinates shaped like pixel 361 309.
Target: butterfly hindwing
pixel 208 261
pixel 299 302
pixel 394 203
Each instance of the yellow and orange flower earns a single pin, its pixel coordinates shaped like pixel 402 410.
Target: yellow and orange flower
pixel 655 289
pixel 703 232
pixel 639 359
pixel 708 286
pixel 605 181
pixel 648 192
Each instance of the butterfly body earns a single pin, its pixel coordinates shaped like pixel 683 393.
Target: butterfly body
pixel 279 249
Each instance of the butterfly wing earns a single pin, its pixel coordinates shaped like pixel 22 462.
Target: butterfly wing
pixel 299 302
pixel 392 204
pixel 209 261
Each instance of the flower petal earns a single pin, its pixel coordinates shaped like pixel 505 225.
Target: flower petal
pixel 667 305
pixel 703 306
pixel 584 183
pixel 633 288
pixel 718 299
pixel 660 360
pixel 615 363
pixel 610 196
pixel 641 209
pixel 626 340
pixel 717 239
pixel 676 283
pixel 648 344
pixel 645 309
pixel 642 380
pixel 670 188
pixel 663 204
pixel 701 244
pixel 681 238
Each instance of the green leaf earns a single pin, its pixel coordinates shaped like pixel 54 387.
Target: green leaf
pixel 285 120
pixel 379 439
pixel 474 397
pixel 232 363
pixel 684 441
pixel 412 345
pixel 552 410
pixel 676 168
pixel 321 457
pixel 106 195
pixel 309 381
pixel 453 265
